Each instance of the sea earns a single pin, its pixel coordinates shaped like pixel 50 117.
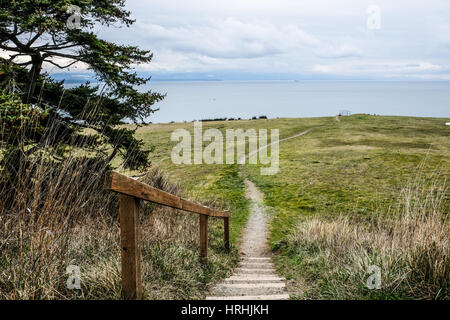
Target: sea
pixel 199 100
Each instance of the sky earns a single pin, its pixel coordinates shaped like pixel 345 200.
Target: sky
pixel 288 39
pixel 308 39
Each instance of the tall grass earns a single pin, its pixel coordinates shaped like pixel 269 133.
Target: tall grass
pixel 57 214
pixel 410 246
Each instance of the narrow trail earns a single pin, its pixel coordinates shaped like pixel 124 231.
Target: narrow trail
pixel 242 159
pixel 255 278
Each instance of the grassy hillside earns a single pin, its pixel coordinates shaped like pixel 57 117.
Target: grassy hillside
pixel 356 168
pixel 362 191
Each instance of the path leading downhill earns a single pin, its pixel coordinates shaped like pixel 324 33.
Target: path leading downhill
pixel 255 278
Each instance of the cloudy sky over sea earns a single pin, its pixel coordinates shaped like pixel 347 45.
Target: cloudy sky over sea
pixel 308 39
pixel 287 39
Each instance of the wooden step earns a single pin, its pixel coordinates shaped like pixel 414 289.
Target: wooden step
pixel 256 259
pixel 253 280
pixel 254 271
pixel 246 289
pixel 261 277
pixel 251 265
pixel 258 297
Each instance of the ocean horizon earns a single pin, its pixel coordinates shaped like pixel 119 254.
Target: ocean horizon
pixel 198 100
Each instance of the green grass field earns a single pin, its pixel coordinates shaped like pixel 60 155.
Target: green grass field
pixel 355 167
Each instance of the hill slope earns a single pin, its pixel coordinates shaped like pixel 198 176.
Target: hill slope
pixel 356 167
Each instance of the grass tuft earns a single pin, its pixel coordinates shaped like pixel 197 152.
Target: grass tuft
pixel 411 248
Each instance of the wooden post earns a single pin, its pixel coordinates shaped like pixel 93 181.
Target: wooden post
pixel 226 229
pixel 204 238
pixel 131 192
pixel 130 247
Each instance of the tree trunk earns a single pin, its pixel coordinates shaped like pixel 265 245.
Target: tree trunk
pixel 112 155
pixel 33 77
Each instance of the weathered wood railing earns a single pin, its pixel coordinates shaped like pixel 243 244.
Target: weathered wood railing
pixel 131 192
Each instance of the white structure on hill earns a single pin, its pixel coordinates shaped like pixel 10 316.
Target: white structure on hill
pixel 345 113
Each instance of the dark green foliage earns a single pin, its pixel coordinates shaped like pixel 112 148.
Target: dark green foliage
pixel 36 32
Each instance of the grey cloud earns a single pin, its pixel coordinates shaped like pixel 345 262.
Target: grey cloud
pixel 310 36
pixel 227 39
pixel 339 52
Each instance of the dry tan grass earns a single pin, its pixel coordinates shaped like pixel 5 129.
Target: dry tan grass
pixel 410 245
pixel 57 214
pixel 66 218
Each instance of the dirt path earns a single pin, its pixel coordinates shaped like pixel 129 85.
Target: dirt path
pixel 255 278
pixel 254 242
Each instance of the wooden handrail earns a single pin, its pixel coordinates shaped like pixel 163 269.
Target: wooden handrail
pixel 117 182
pixel 131 192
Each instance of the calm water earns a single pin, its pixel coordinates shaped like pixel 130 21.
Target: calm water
pixel 201 100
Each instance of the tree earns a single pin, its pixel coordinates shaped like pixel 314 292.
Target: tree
pixel 37 32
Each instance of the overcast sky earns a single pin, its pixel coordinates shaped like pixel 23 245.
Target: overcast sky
pixel 305 38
